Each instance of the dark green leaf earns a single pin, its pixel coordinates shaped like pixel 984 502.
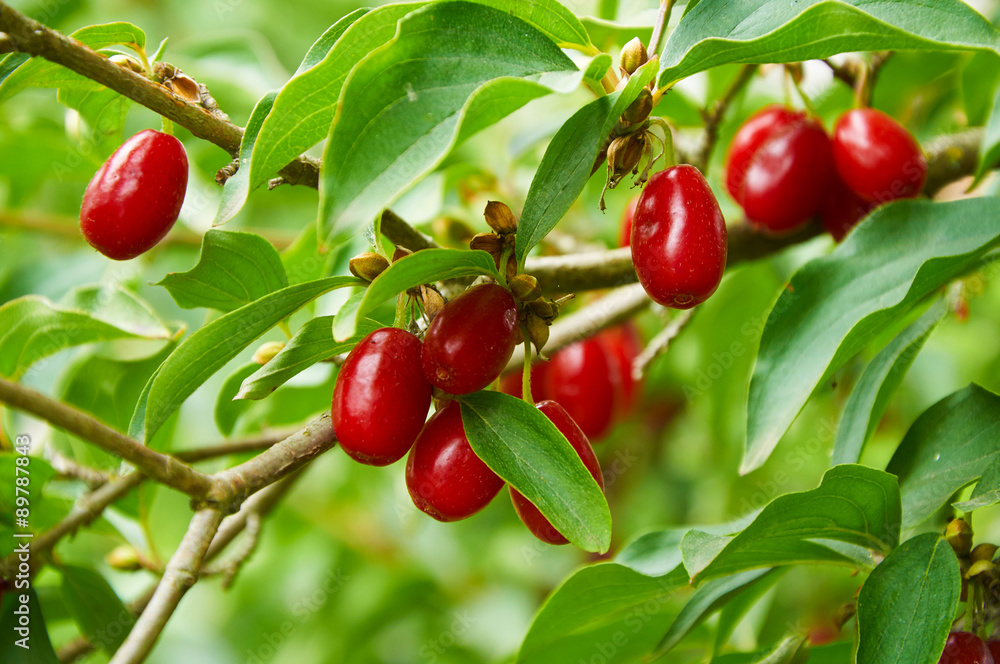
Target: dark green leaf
pixel 716 33
pixel 980 79
pixel 608 34
pixel 36 647
pixel 239 185
pixel 987 491
pixel 227 408
pixel 854 506
pixel 949 446
pixel 524 448
pixel 233 270
pixel 97 610
pixel 550 18
pixel 211 347
pixel 906 606
pixel 836 304
pixel 452 69
pixel 881 377
pixel 989 149
pixel 104 112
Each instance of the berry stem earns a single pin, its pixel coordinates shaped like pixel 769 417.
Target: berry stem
pixel 806 101
pixel 400 319
pixel 526 373
pixel 283 326
pixel 662 20
pixel 504 258
pixel 167 126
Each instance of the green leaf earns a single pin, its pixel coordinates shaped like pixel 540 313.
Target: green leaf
pixel 569 161
pixel 854 506
pixel 949 446
pixel 233 270
pixel 592 606
pixel 422 267
pixel 39 72
pixel 33 327
pixel 524 448
pixel 97 610
pixel 227 408
pixel 37 646
pixel 987 491
pixel 989 149
pixel 238 187
pixel 214 345
pixel 980 79
pixel 836 304
pixel 452 69
pixel 104 111
pixel 881 378
pixel 608 34
pixel 717 33
pixel 312 343
pixel 906 606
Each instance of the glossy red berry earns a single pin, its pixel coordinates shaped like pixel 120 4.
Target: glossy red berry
pixel 539 526
pixel 679 238
pixel 842 209
pixel 623 345
pixel 993 646
pixel 470 341
pixel 625 229
pixel 778 168
pixel 965 648
pixel 876 157
pixel 444 476
pixel 583 378
pixel 381 397
pixel 136 195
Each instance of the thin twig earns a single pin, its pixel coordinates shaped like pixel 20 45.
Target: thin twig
pixel 68 469
pixel 713 117
pixel 660 343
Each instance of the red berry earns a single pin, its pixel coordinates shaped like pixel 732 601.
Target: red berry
pixel 583 379
pixel 539 526
pixel 877 157
pixel 623 345
pixel 511 383
pixel 136 195
pixel 965 648
pixel 625 230
pixel 381 398
pixel 470 341
pixel 444 476
pixel 679 238
pixel 842 209
pixel 779 167
pixel 994 647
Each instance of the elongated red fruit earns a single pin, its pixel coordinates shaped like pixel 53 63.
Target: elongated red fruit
pixel 536 522
pixel 471 339
pixel 679 238
pixel 135 197
pixel 381 397
pixel 583 379
pixel 965 648
pixel 877 157
pixel 444 476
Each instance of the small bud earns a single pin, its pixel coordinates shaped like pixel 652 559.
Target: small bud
pixel 432 301
pixel 125 558
pixel 959 536
pixel 984 551
pixel 525 287
pixel 538 332
pixel 981 567
pixel 488 242
pixel 633 55
pixel 500 218
pixel 543 309
pixel 184 87
pixel 639 109
pixel 368 265
pixel 624 154
pixel 400 252
pixel 127 62
pixel 267 351
pixel 511 267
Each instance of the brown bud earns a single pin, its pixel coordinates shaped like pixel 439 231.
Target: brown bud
pixel 184 87
pixel 267 351
pixel 432 300
pixel 538 332
pixel 500 218
pixel 511 267
pixel 125 558
pixel 984 551
pixel 525 287
pixel 400 252
pixel 624 154
pixel 368 265
pixel 488 242
pixel 959 536
pixel 980 567
pixel 639 109
pixel 633 55
pixel 543 309
pixel 127 62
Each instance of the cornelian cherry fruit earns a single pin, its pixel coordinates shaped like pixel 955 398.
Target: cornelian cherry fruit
pixel 622 344
pixel 536 522
pixel 471 339
pixel 842 209
pixel 993 646
pixel 381 397
pixel 444 476
pixel 583 379
pixel 135 197
pixel 965 648
pixel 679 238
pixel 779 168
pixel 877 157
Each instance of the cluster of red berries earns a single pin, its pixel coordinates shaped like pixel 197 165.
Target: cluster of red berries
pixel 783 169
pixel 135 197
pixel 384 391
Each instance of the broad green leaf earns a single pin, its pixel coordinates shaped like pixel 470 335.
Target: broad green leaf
pixel 550 18
pixel 227 408
pixel 854 506
pixel 104 112
pixel 405 106
pixel 608 34
pixel 836 304
pixel 706 600
pixel 524 448
pixel 949 446
pixel 594 604
pixel 727 31
pixel 233 270
pixel 312 343
pixel 870 397
pixel 10 63
pixel 987 491
pixel 422 267
pixel 214 345
pixel 980 79
pixel 238 187
pixel 569 161
pixel 39 72
pixel 97 610
pixel 906 606
pixel 36 648
pixel 989 149
pixel 33 327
